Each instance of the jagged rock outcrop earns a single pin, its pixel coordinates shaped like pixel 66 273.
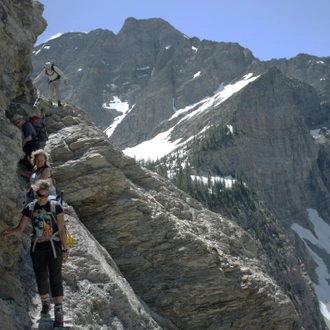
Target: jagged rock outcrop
pixel 272 148
pixel 310 69
pixel 20 24
pixel 188 264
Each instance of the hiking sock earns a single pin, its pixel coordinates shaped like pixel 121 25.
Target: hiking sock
pixel 45 303
pixel 58 315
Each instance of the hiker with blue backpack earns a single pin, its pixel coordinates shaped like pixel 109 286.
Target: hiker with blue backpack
pixel 54 74
pixel 48 247
pixel 30 139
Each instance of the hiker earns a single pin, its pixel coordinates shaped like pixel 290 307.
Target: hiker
pixel 48 248
pixel 54 75
pixel 30 139
pixel 41 171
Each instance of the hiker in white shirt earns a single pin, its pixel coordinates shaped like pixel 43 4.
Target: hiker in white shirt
pixel 54 74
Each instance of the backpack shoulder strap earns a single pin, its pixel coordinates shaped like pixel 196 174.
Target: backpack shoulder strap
pixel 53 68
pixel 31 207
pixel 53 209
pixel 41 168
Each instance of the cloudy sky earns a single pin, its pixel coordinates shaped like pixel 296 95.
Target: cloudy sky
pixel 270 29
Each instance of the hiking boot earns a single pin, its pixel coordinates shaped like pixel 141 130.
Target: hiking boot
pixel 58 313
pixel 59 103
pixel 45 307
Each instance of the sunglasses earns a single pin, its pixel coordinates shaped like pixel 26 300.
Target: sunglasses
pixel 42 196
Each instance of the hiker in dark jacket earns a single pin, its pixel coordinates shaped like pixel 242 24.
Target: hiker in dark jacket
pixel 29 139
pixel 48 247
pixel 54 74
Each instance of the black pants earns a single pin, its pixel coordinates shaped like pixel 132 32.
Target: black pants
pixel 31 146
pixel 48 271
pixel 26 163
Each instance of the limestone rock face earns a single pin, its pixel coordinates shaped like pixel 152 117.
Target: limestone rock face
pixel 188 264
pixel 192 268
pixel 20 25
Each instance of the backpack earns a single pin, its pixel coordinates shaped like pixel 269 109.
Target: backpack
pixel 39 127
pixel 59 198
pixel 55 236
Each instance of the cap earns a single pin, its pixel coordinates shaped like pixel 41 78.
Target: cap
pixel 48 65
pixel 16 117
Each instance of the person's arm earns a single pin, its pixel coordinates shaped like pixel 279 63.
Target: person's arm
pixel 27 132
pixel 25 173
pixel 18 229
pixel 28 138
pixel 45 174
pixel 62 233
pixel 41 74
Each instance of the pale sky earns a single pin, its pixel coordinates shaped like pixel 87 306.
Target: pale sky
pixel 270 29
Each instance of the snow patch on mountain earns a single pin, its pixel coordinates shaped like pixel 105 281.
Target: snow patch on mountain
pixel 162 145
pixel 116 104
pixel 317 243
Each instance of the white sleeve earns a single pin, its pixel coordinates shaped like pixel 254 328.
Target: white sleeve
pixel 42 74
pixel 58 71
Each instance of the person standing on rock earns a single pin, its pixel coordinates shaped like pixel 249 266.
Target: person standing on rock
pixel 48 247
pixel 54 75
pixel 29 139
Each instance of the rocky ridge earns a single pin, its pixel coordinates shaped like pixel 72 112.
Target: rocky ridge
pixel 163 242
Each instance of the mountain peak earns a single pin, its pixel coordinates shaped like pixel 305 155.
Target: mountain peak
pixel 149 26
